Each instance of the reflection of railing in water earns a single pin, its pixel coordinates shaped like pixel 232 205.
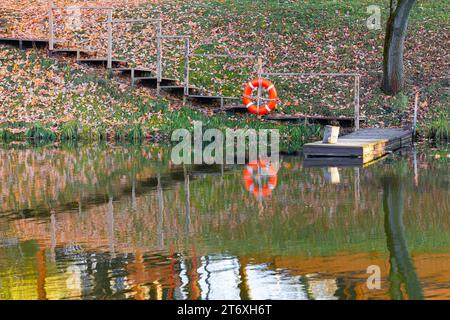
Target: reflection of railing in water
pixel 346 288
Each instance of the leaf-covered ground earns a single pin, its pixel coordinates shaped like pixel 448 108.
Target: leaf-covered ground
pixel 292 36
pixel 54 99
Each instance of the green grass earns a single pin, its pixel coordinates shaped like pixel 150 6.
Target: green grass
pixel 294 36
pixel 307 36
pixel 439 130
pixel 40 133
pixel 69 131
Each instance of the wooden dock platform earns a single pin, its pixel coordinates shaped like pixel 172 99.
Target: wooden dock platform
pixel 366 145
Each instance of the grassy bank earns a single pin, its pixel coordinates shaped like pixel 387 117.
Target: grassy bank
pixel 51 100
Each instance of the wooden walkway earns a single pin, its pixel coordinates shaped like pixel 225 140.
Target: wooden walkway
pixel 359 147
pixel 322 120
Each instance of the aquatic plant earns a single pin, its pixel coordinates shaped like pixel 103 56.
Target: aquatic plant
pixel 69 130
pixel 135 133
pixel 439 130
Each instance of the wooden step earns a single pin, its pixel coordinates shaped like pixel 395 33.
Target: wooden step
pixel 325 162
pixel 138 72
pixel 154 78
pixel 24 42
pixel 152 81
pixel 206 99
pixel 102 61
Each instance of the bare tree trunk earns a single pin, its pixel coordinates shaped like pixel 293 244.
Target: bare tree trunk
pixel 393 78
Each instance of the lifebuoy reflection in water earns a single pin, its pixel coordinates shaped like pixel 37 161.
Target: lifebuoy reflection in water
pixel 260 178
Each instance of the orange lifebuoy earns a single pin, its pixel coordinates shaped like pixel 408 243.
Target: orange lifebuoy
pixel 259 169
pixel 269 87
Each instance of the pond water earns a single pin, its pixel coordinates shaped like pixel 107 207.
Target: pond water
pixel 112 222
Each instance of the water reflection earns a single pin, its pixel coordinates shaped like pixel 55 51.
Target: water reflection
pixel 402 270
pixel 124 223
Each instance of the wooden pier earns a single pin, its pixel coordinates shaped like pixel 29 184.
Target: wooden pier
pixel 361 146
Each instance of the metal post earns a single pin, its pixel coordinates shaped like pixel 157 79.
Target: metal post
pixel 132 78
pixel 416 170
pixel 51 41
pixel 357 186
pixel 109 24
pixel 259 82
pixel 416 107
pixel 357 86
pixel 186 66
pixel 110 226
pixel 160 218
pixel 158 57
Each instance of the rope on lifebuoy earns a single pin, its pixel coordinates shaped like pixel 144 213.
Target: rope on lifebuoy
pixel 247 98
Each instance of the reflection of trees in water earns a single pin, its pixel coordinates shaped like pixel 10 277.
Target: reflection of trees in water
pixel 150 208
pixel 402 270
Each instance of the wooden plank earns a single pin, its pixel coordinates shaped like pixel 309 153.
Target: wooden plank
pixel 158 57
pixel 154 78
pixel 24 43
pixel 186 67
pixel 110 39
pixel 102 61
pixel 321 162
pixel 356 111
pixel 152 82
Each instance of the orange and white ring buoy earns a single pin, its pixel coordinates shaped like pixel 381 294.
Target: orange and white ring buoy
pixel 258 169
pixel 269 87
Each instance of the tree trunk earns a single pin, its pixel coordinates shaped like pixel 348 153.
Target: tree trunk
pixel 393 79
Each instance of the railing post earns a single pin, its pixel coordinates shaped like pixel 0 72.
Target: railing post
pixel 158 57
pixel 259 82
pixel 109 24
pixel 186 68
pixel 416 107
pixel 51 39
pixel 357 87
